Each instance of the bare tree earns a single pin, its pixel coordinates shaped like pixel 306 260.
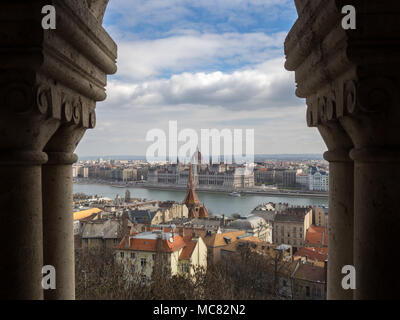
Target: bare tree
pixel 246 275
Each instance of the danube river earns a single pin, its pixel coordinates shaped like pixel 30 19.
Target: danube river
pixel 216 203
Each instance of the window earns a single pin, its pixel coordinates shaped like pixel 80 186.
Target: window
pixel 143 263
pixel 132 255
pixel 154 257
pixel 307 291
pixel 121 254
pixel 185 268
pixel 144 279
pixel 133 269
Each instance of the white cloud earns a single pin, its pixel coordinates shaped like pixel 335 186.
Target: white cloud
pixel 261 98
pixel 139 60
pixel 190 72
pixel 263 86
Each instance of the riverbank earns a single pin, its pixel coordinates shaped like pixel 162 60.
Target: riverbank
pixel 249 191
pixel 217 203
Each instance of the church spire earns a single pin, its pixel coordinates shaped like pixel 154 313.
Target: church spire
pixel 191 198
pixel 190 183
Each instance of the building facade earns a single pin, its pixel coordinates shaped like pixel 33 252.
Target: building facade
pixel 291 225
pixel 141 253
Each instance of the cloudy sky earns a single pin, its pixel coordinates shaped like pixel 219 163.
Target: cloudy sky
pixel 205 64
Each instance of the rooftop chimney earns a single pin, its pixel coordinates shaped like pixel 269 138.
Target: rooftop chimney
pixel 127 241
pixel 125 231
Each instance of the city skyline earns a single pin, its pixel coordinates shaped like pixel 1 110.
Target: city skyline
pixel 216 64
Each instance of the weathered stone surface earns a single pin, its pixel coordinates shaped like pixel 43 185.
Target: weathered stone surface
pixel 50 81
pixel 350 79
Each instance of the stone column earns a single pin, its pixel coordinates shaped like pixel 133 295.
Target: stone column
pixel 58 223
pixel 58 233
pixel 321 114
pixel 21 221
pixel 50 81
pixel 356 72
pixel 24 130
pixel 373 124
pixel 341 221
pixel 377 222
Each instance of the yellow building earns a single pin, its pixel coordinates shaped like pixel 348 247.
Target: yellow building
pixel 321 217
pixel 79 215
pixel 217 241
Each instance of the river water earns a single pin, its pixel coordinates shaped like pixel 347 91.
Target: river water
pixel 216 203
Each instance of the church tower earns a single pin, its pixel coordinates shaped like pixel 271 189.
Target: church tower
pixel 196 209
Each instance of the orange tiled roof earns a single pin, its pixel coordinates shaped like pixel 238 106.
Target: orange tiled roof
pixel 192 213
pixel 254 244
pixel 203 213
pixel 317 235
pixel 251 238
pixel 310 272
pixel 316 254
pixel 187 250
pixel 151 244
pixel 191 198
pixel 86 213
pixel 158 228
pixel 217 239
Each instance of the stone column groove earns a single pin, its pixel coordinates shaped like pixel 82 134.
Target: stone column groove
pixel 350 78
pixel 21 219
pixel 50 81
pixel 58 223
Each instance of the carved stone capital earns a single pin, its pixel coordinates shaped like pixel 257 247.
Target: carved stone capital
pixel 349 81
pixel 50 80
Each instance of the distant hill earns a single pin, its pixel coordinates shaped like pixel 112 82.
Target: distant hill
pixel 257 157
pixel 286 157
pixel 117 157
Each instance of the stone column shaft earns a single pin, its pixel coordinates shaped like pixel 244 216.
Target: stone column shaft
pixel 341 222
pixel 351 77
pixel 21 235
pixel 50 81
pixel 377 222
pixel 58 224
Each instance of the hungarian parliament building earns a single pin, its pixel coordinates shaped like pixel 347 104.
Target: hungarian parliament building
pixel 212 175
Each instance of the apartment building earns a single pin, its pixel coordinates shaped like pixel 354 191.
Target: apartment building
pixel 140 253
pixel 291 225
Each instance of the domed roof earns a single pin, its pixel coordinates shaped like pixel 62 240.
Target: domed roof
pixel 251 222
